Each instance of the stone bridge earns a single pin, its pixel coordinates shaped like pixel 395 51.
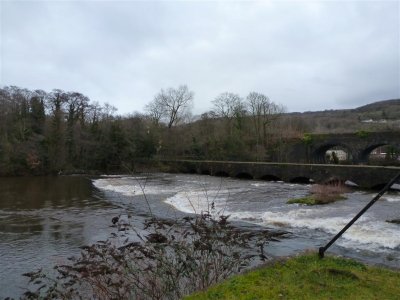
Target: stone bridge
pixel 358 146
pixel 369 177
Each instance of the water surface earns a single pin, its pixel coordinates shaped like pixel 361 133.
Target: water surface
pixel 44 220
pixel 371 239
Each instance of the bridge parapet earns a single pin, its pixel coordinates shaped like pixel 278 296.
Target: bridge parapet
pixel 364 176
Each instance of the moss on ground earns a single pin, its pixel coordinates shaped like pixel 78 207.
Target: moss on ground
pixel 308 277
pixel 313 200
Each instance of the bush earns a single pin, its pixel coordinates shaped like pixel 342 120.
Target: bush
pixel 166 259
pixel 362 134
pixel 307 139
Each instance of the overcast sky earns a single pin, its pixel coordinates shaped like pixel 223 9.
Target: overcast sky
pixel 305 55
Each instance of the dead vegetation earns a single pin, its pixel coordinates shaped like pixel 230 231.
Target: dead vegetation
pixel 323 194
pixel 166 259
pixel 327 193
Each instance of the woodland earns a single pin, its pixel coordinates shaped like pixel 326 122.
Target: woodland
pixel 54 132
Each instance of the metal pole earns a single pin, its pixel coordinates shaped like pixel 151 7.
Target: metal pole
pixel 323 249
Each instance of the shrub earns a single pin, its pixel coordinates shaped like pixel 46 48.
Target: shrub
pixel 362 134
pixel 307 139
pixel 166 259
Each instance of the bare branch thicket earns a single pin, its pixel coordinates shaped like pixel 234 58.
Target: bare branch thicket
pixel 171 105
pixel 231 108
pixel 226 105
pixel 108 112
pixel 263 112
pixel 165 259
pixel 326 193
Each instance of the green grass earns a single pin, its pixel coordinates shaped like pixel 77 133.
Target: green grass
pixel 308 277
pixel 313 200
pixel 310 200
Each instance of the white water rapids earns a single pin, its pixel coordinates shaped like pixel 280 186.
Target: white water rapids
pixel 264 203
pixel 44 220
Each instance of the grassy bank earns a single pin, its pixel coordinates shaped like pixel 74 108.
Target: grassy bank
pixel 308 277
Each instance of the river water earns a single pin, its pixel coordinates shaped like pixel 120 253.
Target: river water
pixel 44 220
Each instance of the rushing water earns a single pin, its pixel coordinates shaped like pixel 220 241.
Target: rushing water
pixel 44 220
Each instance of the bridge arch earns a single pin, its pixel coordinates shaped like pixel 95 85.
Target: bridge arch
pixel 221 174
pixel 192 171
pixel 244 175
pixel 365 154
pixel 300 179
pixel 340 150
pixel 205 172
pixel 270 177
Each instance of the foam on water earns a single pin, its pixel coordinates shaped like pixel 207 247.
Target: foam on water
pixel 250 216
pixel 119 185
pixel 366 233
pixel 392 198
pixel 198 201
pixel 259 184
pixel 242 202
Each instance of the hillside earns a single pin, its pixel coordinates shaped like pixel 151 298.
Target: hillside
pixel 387 109
pixel 377 116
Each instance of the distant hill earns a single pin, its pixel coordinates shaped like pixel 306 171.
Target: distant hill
pixel 378 116
pixel 387 109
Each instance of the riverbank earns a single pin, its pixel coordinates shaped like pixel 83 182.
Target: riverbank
pixel 141 165
pixel 309 277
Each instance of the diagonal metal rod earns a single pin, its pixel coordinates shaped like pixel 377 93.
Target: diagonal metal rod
pixel 387 186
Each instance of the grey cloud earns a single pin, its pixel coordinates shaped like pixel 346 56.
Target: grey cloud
pixel 305 55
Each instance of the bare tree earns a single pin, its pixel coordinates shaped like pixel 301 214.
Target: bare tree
pixel 263 112
pixel 230 107
pixel 155 112
pixel 108 112
pixel 173 105
pixel 94 112
pixel 226 104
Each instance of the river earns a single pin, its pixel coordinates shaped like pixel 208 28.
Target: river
pixel 44 220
